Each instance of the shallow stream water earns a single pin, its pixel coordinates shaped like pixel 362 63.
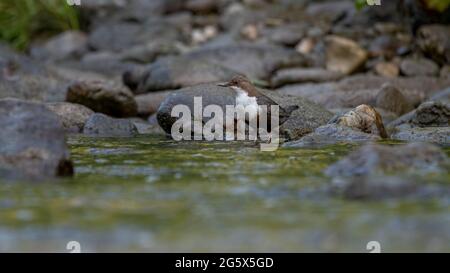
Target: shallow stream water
pixel 153 194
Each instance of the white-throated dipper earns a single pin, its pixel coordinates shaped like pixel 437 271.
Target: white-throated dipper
pixel 248 95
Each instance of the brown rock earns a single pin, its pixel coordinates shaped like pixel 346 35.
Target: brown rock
pixel 387 69
pixel 104 97
pixel 73 116
pixel 363 118
pixel 149 103
pixel 391 99
pixel 344 55
pixel 434 41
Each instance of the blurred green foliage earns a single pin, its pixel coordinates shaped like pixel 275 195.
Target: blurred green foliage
pixel 439 5
pixel 23 20
pixel 360 4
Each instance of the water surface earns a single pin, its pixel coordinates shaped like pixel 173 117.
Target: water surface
pixel 153 194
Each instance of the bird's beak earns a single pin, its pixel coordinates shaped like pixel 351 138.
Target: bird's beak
pixel 224 84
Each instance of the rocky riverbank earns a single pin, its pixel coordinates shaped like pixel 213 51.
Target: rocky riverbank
pixel 357 76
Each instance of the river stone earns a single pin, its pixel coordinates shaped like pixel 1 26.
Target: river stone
pixel 119 36
pixel 104 97
pixel 363 118
pixel 33 87
pixel 302 75
pixel 32 142
pixel 70 44
pixel 73 116
pixel 210 93
pixel 146 128
pixel 101 125
pixel 387 69
pixel 363 89
pixel 332 134
pixel 175 72
pixel 254 61
pixel 288 35
pixel 330 10
pixel 344 55
pixel 149 103
pixel 428 114
pixel 437 135
pixel 148 52
pixel 107 64
pixel 372 159
pixel 434 41
pixel 419 67
pixel 302 121
pixel 393 100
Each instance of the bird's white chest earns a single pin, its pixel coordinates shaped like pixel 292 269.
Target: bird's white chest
pixel 242 98
pixel 249 103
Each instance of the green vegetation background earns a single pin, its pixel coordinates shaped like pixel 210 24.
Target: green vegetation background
pixel 21 21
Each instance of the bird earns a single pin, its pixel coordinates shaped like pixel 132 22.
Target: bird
pixel 248 95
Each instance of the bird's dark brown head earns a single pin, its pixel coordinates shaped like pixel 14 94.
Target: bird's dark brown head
pixel 241 82
pixel 238 81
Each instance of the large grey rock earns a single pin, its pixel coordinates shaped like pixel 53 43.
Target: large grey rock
pixel 73 116
pixel 32 142
pixel 428 114
pixel 428 123
pixel 103 97
pixel 175 72
pixel 302 121
pixel 210 94
pixel 100 125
